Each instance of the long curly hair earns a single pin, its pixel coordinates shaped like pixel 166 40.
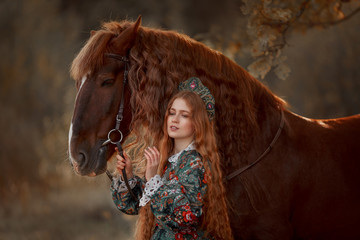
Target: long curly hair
pixel 159 60
pixel 215 221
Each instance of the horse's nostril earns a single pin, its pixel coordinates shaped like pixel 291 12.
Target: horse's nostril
pixel 81 160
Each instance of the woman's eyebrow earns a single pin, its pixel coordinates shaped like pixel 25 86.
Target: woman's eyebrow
pixel 173 109
pixel 184 111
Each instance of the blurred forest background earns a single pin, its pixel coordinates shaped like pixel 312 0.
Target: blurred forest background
pixel 307 52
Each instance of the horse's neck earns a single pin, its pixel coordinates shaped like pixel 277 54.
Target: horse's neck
pixel 268 118
pixel 269 123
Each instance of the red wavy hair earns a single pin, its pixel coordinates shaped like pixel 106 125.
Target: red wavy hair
pixel 159 60
pixel 215 220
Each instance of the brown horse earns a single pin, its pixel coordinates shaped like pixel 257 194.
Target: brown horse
pixel 306 187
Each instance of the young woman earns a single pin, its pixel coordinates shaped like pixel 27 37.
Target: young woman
pixel 182 195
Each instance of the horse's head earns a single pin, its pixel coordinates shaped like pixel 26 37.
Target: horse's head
pixel 99 72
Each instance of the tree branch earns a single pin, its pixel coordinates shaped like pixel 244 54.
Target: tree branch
pixel 325 24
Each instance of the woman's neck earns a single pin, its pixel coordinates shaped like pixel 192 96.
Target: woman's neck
pixel 181 144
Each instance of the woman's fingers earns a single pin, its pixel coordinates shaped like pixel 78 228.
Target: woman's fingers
pixel 152 156
pixel 124 163
pixel 150 152
pixel 120 166
pixel 148 155
pixel 127 158
pixel 150 162
pixel 120 158
pixel 155 154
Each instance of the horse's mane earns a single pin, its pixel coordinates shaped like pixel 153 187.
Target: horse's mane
pixel 159 60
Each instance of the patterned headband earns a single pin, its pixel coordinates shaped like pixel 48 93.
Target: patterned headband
pixel 194 84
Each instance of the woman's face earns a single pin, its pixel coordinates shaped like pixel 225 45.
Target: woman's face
pixel 179 122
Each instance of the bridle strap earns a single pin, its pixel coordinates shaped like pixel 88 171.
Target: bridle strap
pixel 119 118
pixel 277 135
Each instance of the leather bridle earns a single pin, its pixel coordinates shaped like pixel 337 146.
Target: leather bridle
pixel 115 136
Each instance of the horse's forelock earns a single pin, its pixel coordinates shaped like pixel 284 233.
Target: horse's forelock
pixel 116 27
pixel 91 56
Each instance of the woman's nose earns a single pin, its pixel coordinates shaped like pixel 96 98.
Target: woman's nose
pixel 175 118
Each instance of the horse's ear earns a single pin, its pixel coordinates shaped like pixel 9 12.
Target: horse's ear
pixel 126 39
pixel 92 33
pixel 138 22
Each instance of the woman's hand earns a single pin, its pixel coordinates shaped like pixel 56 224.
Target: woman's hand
pixel 124 163
pixel 152 156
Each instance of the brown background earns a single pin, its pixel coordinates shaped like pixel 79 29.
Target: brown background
pixel 40 197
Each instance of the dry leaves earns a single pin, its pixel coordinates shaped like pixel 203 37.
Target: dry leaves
pixel 270 21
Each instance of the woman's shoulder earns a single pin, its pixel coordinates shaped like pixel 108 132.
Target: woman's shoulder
pixel 190 153
pixel 188 162
pixel 190 156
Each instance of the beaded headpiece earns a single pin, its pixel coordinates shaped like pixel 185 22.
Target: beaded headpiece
pixel 194 84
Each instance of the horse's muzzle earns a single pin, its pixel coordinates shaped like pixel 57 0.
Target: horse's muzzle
pixel 93 163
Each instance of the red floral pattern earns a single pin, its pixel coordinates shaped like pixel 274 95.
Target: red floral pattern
pixel 177 205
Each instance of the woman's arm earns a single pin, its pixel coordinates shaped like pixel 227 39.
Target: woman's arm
pixel 120 194
pixel 122 197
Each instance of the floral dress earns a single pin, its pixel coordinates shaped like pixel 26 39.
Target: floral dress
pixel 176 199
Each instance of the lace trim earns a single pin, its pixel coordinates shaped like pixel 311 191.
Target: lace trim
pixel 174 158
pixel 120 186
pixel 150 188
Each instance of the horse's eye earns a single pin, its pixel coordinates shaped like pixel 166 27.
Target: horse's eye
pixel 108 82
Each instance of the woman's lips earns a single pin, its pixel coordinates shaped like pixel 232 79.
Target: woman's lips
pixel 173 128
